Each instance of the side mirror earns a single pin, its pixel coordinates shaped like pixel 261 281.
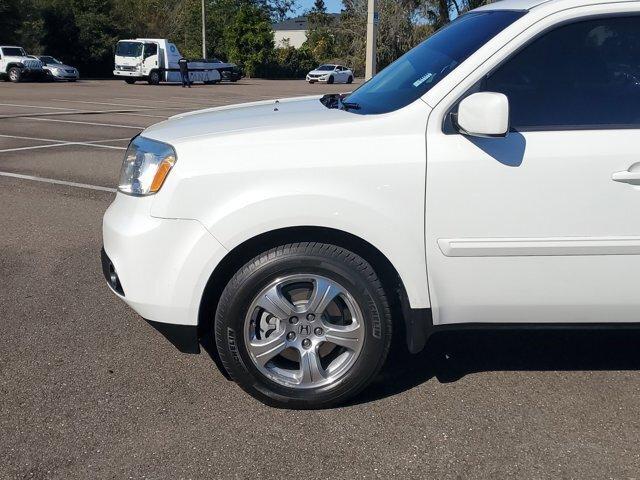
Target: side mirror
pixel 484 114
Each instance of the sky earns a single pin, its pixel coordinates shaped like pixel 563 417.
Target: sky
pixel 333 6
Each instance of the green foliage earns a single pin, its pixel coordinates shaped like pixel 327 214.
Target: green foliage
pixel 290 62
pixel 248 38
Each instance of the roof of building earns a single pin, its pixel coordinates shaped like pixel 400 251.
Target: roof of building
pixel 298 23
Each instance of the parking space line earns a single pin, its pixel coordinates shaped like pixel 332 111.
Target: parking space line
pixel 190 103
pixel 58 143
pixel 141 115
pixel 33 106
pixel 111 140
pixel 115 104
pixel 34 147
pixel 88 123
pixel 32 138
pixel 57 182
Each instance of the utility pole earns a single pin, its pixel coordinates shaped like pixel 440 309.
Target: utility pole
pixel 204 39
pixel 372 35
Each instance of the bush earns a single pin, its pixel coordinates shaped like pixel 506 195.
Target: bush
pixel 289 62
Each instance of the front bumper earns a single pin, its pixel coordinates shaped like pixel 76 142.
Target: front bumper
pixel 317 79
pixel 162 265
pixel 128 73
pixel 63 76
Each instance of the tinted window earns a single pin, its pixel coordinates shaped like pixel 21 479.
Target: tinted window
pixel 129 49
pixel 419 70
pixel 581 75
pixel 13 52
pixel 150 49
pixel 49 60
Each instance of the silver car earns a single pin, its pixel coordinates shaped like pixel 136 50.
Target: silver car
pixel 56 70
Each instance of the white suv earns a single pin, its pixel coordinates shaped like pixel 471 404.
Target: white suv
pixel 16 65
pixel 489 176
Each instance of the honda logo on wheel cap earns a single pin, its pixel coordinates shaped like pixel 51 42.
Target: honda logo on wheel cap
pixel 304 330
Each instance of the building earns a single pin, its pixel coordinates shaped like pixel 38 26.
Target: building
pixel 293 31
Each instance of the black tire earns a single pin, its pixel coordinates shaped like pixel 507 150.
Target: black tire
pixel 154 78
pixel 130 81
pixel 350 80
pixel 348 269
pixel 331 80
pixel 15 74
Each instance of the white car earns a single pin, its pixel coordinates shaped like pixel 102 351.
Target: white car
pixel 330 74
pixel 489 176
pixel 57 70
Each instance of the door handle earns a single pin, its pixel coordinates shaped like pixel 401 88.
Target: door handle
pixel 631 177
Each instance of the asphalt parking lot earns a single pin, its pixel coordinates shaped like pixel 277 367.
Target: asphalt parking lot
pixel 89 390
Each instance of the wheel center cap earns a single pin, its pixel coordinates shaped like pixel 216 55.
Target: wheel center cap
pixel 304 329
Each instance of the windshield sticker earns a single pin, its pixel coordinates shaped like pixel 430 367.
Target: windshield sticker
pixel 422 79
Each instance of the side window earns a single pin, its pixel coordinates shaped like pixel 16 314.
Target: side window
pixel 580 75
pixel 150 49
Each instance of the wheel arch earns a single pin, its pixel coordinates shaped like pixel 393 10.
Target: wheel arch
pixel 412 324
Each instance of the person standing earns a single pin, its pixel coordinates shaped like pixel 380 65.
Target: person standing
pixel 184 72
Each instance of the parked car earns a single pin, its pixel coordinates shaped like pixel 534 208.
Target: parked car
pixel 330 74
pixel 56 70
pixel 16 65
pixel 488 177
pixel 229 72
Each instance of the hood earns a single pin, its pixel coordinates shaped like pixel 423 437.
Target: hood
pixel 257 116
pixel 59 65
pixel 26 61
pixel 320 72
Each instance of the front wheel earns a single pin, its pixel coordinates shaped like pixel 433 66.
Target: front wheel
pixel 154 78
pixel 15 74
pixel 331 80
pixel 304 325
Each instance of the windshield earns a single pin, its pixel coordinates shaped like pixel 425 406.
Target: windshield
pixel 419 70
pixel 13 52
pixel 49 60
pixel 326 68
pixel 129 49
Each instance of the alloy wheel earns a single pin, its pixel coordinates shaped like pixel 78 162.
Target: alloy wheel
pixel 304 331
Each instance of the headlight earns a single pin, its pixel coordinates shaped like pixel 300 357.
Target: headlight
pixel 146 166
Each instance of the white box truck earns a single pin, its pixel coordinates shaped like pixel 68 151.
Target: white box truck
pixel 156 60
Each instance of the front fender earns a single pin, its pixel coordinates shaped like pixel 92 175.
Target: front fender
pixel 246 218
pixel 390 219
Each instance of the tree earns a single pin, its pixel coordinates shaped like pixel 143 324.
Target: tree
pixel 320 36
pixel 278 9
pixel 249 38
pixel 398 31
pixel 439 12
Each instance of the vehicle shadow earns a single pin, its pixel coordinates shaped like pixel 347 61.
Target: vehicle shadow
pixel 449 356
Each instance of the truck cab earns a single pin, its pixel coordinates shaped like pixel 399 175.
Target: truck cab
pixel 155 60
pixel 15 64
